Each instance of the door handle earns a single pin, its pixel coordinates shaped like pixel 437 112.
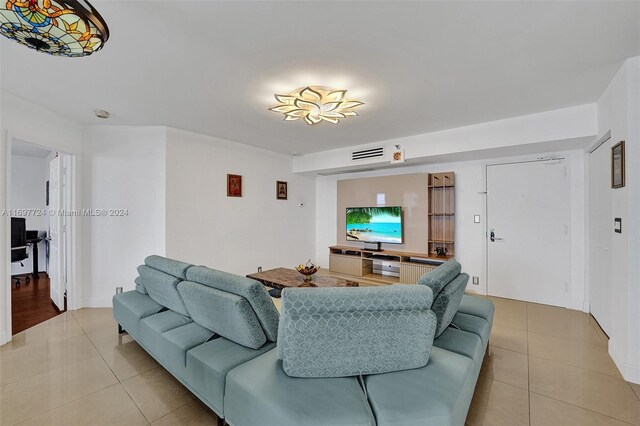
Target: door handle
pixel 493 238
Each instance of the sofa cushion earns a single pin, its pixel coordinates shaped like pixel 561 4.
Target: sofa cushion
pixel 162 288
pixel 339 332
pixel 140 286
pixel 168 266
pixel 439 277
pixel 209 363
pixel 479 326
pixel 227 314
pixel 477 306
pixel 177 342
pixel 438 394
pixel 445 304
pixel 463 343
pixel 152 327
pixel 251 290
pixel 130 307
pixel 259 393
pixel 164 321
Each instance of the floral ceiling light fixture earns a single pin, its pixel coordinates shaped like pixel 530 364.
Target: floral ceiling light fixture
pixel 69 28
pixel 315 104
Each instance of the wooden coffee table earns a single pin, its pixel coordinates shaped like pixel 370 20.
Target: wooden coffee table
pixel 281 278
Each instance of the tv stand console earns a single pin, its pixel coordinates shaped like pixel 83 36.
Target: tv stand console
pixel 388 267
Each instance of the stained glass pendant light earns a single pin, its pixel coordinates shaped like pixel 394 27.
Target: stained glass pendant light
pixel 315 104
pixel 58 27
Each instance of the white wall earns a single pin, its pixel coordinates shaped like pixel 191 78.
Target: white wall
pixel 28 180
pixel 5 230
pixel 470 200
pixel 124 169
pixel 560 129
pixel 618 112
pixel 233 234
pixel 173 184
pixel 52 131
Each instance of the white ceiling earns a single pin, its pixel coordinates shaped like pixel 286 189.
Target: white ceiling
pixel 212 67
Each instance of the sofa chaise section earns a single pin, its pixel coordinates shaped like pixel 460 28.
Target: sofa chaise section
pixel 439 393
pixel 260 393
pixel 329 339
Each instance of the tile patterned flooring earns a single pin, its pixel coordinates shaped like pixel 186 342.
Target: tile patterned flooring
pixel 546 366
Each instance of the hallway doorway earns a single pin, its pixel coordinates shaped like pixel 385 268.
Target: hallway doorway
pixel 40 197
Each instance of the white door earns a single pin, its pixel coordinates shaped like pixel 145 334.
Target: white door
pixel 600 224
pixel 56 237
pixel 528 242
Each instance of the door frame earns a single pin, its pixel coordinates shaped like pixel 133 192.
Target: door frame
pixel 589 149
pixel 72 235
pixel 524 160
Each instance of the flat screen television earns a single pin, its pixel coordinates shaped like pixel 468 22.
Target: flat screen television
pixel 375 224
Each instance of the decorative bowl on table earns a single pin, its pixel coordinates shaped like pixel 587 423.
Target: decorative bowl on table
pixel 307 270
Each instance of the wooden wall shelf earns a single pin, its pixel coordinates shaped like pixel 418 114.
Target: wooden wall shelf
pixel 386 267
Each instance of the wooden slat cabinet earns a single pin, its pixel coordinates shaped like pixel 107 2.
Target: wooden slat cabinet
pixel 410 273
pixel 349 265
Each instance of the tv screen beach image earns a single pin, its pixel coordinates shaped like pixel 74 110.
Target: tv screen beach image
pixel 374 224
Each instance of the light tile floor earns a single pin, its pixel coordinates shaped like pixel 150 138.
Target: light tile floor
pixel 546 366
pixel 550 366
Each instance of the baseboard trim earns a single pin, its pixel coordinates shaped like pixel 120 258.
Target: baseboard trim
pixel 630 372
pixel 578 305
pixel 3 338
pixel 97 303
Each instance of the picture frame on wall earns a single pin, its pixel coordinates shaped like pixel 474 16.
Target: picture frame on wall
pixel 617 165
pixel 234 185
pixel 281 190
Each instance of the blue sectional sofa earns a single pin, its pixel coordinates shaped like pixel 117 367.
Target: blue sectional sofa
pixel 396 355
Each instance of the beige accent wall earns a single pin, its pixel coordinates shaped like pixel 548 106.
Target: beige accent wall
pixel 408 191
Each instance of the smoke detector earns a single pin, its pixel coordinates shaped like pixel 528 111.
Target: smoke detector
pixel 100 113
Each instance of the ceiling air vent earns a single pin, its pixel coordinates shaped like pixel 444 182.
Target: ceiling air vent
pixel 367 153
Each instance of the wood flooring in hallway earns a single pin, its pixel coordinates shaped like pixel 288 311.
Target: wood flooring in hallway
pixel 31 303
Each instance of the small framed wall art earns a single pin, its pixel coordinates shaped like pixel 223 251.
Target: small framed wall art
pixel 281 190
pixel 234 185
pixel 617 165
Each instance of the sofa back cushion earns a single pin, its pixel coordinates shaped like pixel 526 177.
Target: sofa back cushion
pixel 162 288
pixel 446 303
pixel 253 291
pixel 168 266
pixel 229 315
pixel 340 332
pixel 438 278
pixel 140 285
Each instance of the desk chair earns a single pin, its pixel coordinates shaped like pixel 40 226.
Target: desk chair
pixel 19 248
